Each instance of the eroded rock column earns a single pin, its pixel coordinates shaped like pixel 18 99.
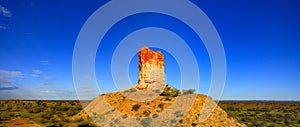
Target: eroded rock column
pixel 151 68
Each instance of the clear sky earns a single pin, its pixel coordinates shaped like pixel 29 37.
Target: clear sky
pixel 261 39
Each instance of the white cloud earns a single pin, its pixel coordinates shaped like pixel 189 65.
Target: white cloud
pixel 48 83
pixel 38 72
pixel 44 91
pixel 46 77
pixel 3 27
pixel 7 78
pixel 45 62
pixel 5 12
pixel 34 75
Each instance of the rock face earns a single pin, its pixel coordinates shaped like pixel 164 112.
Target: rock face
pixel 148 107
pixel 151 68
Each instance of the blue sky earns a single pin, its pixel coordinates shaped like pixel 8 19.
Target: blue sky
pixel 260 37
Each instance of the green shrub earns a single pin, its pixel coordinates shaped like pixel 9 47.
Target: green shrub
pixel 116 120
pixel 170 92
pixel 4 116
pixel 35 109
pixel 71 112
pixel 161 105
pixel 138 118
pixel 178 114
pixel 46 115
pixel 146 122
pixel 84 124
pixel 189 91
pixel 173 121
pixel 136 107
pixel 124 116
pixel 156 91
pixel 132 90
pixel 146 113
pixel 181 121
pixel 165 93
pixel 155 116
pixel 72 103
pixel 194 124
pixel 168 99
pixel 25 115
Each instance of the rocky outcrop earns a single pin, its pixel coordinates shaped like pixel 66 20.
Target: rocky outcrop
pixel 151 68
pixel 154 104
pixel 115 109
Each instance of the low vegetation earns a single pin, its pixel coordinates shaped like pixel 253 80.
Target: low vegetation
pixel 173 92
pixel 136 107
pixel 170 92
pixel 46 113
pixel 59 113
pixel 264 113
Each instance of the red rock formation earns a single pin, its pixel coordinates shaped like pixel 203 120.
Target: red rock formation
pixel 151 68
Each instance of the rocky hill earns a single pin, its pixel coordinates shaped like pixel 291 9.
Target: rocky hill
pixel 152 103
pixel 114 109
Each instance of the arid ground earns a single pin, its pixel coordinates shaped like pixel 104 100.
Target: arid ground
pixel 16 113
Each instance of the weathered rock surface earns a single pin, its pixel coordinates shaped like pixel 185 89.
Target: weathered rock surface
pixel 151 68
pixel 115 109
pixel 154 104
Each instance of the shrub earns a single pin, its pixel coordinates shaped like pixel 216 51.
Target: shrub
pixel 35 109
pixel 124 116
pixel 71 112
pixel 173 121
pixel 138 118
pixel 161 105
pixel 46 115
pixel 146 113
pixel 155 116
pixel 168 99
pixel 132 90
pixel 178 114
pixel 4 116
pixel 39 102
pixel 156 91
pixel 72 103
pixel 181 121
pixel 116 120
pixel 136 107
pixel 84 124
pixel 165 93
pixel 62 108
pixel 111 124
pixel 170 92
pixel 189 91
pixel 25 115
pixel 194 124
pixel 11 115
pixel 146 122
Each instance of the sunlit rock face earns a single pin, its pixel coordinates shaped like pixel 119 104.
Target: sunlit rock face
pixel 151 68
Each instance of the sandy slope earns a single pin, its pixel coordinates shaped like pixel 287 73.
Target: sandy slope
pixel 114 109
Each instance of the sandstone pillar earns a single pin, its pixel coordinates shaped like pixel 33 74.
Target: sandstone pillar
pixel 151 68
